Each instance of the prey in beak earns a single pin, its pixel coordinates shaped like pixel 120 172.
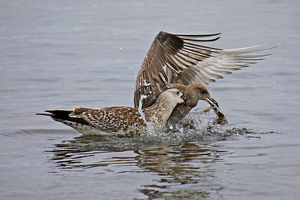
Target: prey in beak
pixel 220 119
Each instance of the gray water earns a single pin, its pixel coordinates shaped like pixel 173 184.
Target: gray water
pixel 64 54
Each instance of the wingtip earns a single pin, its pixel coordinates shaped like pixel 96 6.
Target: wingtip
pixel 197 36
pixel 256 48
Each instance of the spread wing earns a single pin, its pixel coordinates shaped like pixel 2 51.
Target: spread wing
pixel 166 50
pixel 218 63
pixel 186 62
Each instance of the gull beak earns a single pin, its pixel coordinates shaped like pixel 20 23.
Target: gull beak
pixel 181 99
pixel 212 102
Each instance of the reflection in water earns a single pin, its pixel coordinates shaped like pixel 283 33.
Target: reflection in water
pixel 185 169
pixel 183 164
pixel 178 165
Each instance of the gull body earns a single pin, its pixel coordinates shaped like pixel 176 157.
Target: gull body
pixel 119 120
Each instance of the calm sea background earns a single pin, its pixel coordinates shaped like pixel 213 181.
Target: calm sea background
pixel 65 54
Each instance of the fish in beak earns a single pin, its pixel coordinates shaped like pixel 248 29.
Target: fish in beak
pixel 220 119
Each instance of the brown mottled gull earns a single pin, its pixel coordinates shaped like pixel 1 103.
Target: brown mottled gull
pixel 119 120
pixel 178 61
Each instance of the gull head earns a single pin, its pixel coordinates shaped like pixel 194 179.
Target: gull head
pixel 173 96
pixel 198 91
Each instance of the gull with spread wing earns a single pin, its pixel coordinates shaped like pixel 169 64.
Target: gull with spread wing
pixel 179 61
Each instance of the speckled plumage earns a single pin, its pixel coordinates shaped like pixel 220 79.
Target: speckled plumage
pixel 119 120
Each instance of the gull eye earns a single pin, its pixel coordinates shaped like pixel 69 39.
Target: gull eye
pixel 177 93
pixel 203 91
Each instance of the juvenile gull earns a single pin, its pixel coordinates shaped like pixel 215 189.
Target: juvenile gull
pixel 177 61
pixel 119 120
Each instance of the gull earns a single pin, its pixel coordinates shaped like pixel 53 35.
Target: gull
pixel 120 120
pixel 179 61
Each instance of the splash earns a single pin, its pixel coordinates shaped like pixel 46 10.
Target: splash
pixel 150 127
pixel 140 108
